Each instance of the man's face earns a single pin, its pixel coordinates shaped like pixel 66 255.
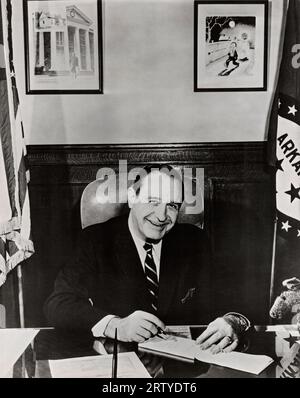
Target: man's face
pixel 155 208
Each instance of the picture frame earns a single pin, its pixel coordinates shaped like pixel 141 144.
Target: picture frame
pixel 63 46
pixel 230 45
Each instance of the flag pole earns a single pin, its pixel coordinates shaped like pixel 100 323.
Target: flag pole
pixel 21 314
pixel 272 281
pixel 20 296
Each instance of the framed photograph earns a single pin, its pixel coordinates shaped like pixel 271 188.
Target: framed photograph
pixel 230 39
pixel 63 46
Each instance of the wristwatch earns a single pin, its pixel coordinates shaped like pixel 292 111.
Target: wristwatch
pixel 237 321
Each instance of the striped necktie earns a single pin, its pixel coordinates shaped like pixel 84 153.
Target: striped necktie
pixel 151 275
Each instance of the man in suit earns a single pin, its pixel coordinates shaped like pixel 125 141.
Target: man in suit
pixel 140 272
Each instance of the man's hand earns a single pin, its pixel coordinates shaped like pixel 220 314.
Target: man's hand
pixel 218 336
pixel 138 327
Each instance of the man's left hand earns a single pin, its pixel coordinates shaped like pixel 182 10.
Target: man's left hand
pixel 219 336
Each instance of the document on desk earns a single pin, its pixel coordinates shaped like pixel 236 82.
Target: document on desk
pixel 13 342
pixel 173 346
pixel 237 360
pixel 183 348
pixel 98 366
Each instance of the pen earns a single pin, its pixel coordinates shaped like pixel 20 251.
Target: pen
pixel 161 334
pixel 115 356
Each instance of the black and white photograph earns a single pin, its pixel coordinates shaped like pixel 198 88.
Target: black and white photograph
pixel 230 45
pixel 150 229
pixel 63 46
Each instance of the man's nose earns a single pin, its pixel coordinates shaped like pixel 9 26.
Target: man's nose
pixel 161 212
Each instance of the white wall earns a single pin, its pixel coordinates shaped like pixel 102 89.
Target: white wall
pixel 148 84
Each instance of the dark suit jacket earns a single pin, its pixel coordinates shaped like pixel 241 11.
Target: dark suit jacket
pixel 107 277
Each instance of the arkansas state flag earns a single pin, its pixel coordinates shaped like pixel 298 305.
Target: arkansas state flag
pixel 284 139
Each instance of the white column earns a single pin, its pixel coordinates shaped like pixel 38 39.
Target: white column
pixel 88 52
pixel 92 51
pixel 33 58
pixel 77 48
pixel 66 49
pixel 53 50
pixel 41 49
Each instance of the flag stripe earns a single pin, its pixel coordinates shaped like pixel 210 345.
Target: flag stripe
pixel 10 57
pixel 285 106
pixel 288 226
pixel 2 246
pixel 22 182
pixel 7 149
pixel 1 27
pixel 15 95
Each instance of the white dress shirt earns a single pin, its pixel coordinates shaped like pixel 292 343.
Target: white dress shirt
pixel 99 329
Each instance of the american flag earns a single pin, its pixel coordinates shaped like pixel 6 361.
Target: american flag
pixel 15 242
pixel 284 138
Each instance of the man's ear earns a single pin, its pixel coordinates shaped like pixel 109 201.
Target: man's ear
pixel 131 197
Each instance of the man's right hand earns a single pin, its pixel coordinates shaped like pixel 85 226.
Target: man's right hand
pixel 138 327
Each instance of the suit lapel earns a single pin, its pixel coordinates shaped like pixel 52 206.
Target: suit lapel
pixel 169 274
pixel 127 256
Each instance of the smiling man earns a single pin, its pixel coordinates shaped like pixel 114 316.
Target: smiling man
pixel 155 201
pixel 141 272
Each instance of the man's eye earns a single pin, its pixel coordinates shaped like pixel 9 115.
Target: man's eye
pixel 174 206
pixel 153 201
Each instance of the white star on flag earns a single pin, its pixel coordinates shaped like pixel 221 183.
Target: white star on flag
pixel 293 110
pixel 286 226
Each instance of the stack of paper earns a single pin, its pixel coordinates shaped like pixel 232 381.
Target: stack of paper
pixel 183 348
pixel 236 360
pixel 98 366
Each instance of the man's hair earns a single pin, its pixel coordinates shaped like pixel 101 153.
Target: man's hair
pixel 162 168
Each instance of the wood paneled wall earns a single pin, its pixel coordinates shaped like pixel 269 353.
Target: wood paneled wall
pixel 239 208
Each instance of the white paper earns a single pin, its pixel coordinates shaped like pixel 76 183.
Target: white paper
pixel 282 328
pixel 275 328
pixel 13 343
pixel 187 348
pixel 236 360
pixel 98 366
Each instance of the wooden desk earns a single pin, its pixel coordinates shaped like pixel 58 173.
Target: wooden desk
pixel 281 346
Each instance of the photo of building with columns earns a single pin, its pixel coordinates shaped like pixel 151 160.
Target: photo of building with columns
pixel 63 44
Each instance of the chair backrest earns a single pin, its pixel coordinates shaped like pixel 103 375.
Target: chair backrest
pixel 96 209
pixel 2 316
